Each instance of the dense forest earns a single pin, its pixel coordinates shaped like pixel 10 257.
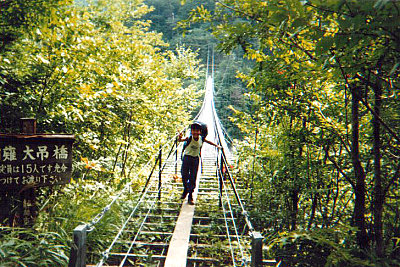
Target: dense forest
pixel 92 69
pixel 308 90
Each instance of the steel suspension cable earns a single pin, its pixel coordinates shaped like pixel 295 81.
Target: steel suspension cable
pixel 226 224
pixel 107 251
pixel 144 193
pixel 229 236
pixel 101 214
pixel 219 172
pixel 141 226
pixel 232 217
pixel 217 134
pixel 220 135
pixel 169 154
pixel 225 162
pixel 205 85
pixel 137 234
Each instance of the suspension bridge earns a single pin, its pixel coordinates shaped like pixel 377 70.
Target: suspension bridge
pixel 163 230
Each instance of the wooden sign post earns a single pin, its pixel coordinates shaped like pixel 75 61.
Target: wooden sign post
pixel 27 161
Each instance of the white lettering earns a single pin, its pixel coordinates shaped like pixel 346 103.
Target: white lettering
pixel 28 168
pixel 3 168
pixel 60 153
pixel 9 169
pixel 9 153
pixel 42 153
pixel 28 152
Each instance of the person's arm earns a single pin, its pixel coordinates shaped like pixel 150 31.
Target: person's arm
pixel 180 139
pixel 211 143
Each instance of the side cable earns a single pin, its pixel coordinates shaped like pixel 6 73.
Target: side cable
pixel 100 215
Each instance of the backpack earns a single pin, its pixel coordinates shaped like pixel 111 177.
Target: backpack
pixel 204 129
pixel 203 135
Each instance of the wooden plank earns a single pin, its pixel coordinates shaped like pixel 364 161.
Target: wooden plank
pixel 133 255
pixel 179 245
pixel 270 263
pixel 202 259
pixel 178 248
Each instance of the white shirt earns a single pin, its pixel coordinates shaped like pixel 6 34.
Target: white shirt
pixel 193 149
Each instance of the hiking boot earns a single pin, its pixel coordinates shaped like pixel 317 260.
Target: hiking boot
pixel 190 199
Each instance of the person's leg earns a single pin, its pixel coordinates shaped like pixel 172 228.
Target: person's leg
pixel 185 175
pixel 194 166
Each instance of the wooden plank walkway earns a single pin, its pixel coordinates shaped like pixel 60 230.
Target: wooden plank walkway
pixel 179 244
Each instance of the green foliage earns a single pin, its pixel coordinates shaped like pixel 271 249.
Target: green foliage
pixel 85 72
pixel 95 70
pixel 320 247
pixel 299 153
pixel 79 203
pixel 167 18
pixel 30 248
pixel 98 70
pixel 18 16
pixel 170 19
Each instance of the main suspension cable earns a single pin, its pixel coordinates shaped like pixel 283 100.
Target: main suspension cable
pixel 232 215
pixel 137 234
pixel 101 214
pixel 106 252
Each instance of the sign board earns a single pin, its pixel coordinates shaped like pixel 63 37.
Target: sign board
pixel 36 159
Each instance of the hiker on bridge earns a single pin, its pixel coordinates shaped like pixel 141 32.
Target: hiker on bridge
pixel 191 157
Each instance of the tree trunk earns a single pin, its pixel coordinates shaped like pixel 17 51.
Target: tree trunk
pixel 313 209
pixel 378 191
pixel 359 174
pixel 294 191
pixel 254 161
pixel 294 195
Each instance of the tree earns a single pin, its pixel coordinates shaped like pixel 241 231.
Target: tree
pixel 96 71
pixel 310 55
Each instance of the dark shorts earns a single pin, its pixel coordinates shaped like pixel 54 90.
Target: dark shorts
pixel 190 166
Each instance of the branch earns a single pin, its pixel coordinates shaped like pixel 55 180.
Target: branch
pixel 396 7
pixel 391 33
pixel 298 47
pixel 338 168
pixel 365 103
pixel 333 131
pixel 302 49
pixel 326 10
pixel 348 6
pixel 258 19
pixel 346 33
pixel 240 11
pixel 392 180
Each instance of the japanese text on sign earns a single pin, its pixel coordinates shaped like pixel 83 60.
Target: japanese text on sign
pixel 35 161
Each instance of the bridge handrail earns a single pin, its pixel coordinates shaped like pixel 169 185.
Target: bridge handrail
pixel 81 231
pixel 256 243
pixel 100 215
pixel 107 251
pixel 78 250
pixel 256 237
pixel 222 185
pixel 238 199
pixel 225 162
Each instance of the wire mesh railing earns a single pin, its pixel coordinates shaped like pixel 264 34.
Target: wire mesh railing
pixel 223 170
pixel 80 233
pixel 224 177
pixel 226 183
